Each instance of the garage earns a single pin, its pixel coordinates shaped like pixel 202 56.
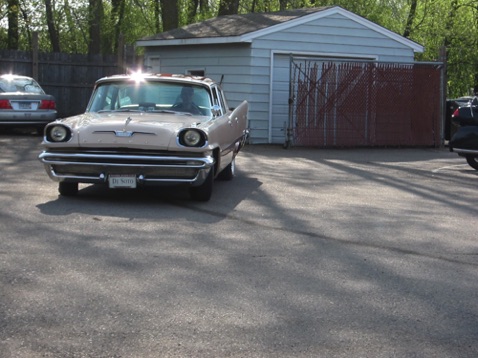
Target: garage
pixel 255 56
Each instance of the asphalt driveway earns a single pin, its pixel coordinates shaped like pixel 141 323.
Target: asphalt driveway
pixel 306 253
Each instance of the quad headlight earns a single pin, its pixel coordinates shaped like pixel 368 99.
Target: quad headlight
pixel 192 138
pixel 58 133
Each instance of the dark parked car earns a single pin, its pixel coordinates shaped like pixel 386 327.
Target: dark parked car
pixel 148 129
pixel 451 105
pixel 24 103
pixel 465 140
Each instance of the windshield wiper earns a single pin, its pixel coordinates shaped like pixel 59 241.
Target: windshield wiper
pixel 139 110
pixel 119 110
pixel 182 113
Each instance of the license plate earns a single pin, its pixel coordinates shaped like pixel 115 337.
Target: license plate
pixel 25 105
pixel 122 181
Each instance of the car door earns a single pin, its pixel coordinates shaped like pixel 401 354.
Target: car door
pixel 233 122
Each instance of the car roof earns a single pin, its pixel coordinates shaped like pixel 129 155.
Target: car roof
pixel 12 76
pixel 162 77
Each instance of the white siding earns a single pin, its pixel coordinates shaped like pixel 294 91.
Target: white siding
pixel 280 98
pixel 339 35
pixel 232 63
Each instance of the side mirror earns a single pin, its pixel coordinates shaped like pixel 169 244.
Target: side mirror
pixel 216 110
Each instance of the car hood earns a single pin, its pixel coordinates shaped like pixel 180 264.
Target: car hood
pixel 130 129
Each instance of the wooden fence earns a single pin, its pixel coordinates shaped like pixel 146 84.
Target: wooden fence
pixel 68 77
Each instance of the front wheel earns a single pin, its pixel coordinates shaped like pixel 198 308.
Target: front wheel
pixel 68 189
pixel 472 161
pixel 228 172
pixel 203 192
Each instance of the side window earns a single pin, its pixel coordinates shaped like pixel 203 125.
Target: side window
pixel 222 97
pixel 218 100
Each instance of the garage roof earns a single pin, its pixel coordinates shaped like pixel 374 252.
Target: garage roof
pixel 245 28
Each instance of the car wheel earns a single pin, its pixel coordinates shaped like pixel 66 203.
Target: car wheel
pixel 68 189
pixel 472 161
pixel 228 172
pixel 204 191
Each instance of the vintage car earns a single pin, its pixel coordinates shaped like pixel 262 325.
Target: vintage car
pixel 465 140
pixel 24 103
pixel 148 129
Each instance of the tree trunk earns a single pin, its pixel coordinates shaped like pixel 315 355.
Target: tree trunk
pixel 192 11
pixel 228 7
pixel 52 31
pixel 157 16
pixel 95 15
pixel 13 13
pixel 283 4
pixel 74 34
pixel 411 17
pixel 170 14
pixel 116 18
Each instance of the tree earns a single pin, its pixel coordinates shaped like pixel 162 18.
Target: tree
pixel 157 16
pixel 13 13
pixel 95 16
pixel 169 14
pixel 53 32
pixel 74 37
pixel 192 11
pixel 411 17
pixel 228 7
pixel 114 28
pixel 94 26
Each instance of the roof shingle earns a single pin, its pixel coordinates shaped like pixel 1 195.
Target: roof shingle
pixel 234 25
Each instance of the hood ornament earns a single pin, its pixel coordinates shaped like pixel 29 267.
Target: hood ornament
pixel 129 119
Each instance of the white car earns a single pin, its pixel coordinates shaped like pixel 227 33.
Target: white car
pixel 148 129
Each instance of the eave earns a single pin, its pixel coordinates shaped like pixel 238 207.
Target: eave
pixel 194 41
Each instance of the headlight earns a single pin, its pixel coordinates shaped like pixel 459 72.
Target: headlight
pixel 192 138
pixel 58 133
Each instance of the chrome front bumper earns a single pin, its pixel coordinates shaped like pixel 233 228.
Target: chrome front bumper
pixel 149 169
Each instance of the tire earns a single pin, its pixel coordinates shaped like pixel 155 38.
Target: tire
pixel 204 191
pixel 68 189
pixel 472 161
pixel 228 172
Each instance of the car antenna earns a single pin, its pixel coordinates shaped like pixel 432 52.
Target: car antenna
pixel 222 77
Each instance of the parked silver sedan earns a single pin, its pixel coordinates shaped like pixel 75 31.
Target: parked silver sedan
pixel 24 103
pixel 148 129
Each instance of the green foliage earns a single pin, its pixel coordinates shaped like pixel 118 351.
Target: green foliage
pixel 436 23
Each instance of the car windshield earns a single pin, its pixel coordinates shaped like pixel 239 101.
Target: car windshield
pixel 151 96
pixel 19 84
